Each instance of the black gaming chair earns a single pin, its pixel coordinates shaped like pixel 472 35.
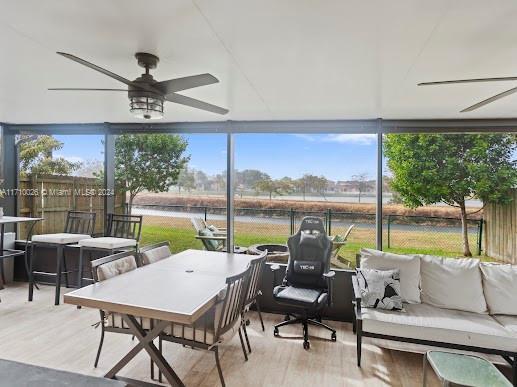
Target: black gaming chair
pixel 307 285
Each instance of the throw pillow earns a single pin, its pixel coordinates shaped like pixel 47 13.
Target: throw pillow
pixel 211 244
pixel 380 288
pixel 453 283
pixel 408 265
pixel 500 287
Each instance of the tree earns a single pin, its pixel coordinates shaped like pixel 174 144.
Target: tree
pixel 274 187
pixel 201 180
pixel 149 162
pixel 452 168
pixel 36 157
pixel 186 180
pixel 363 184
pixel 249 177
pixel 312 183
pixel 91 168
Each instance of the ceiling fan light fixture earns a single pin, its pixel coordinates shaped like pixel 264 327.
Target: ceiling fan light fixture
pixel 148 108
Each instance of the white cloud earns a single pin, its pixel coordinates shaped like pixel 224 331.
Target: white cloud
pixel 356 138
pixel 307 137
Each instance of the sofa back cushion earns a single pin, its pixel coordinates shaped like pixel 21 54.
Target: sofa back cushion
pixel 452 283
pixel 408 266
pixel 500 286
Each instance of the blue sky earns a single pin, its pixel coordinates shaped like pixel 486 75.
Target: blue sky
pixel 337 157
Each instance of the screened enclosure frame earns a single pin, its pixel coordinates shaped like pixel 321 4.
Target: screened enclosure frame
pixel 378 127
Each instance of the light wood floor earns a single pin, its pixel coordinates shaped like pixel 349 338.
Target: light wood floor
pixel 62 337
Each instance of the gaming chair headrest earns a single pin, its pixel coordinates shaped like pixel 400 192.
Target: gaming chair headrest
pixel 312 223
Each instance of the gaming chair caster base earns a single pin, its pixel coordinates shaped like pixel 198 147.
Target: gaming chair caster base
pixel 275 332
pixel 333 336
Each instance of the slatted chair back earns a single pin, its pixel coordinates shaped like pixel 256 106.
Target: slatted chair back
pixel 113 265
pixel 233 303
pixel 80 222
pixel 199 224
pixel 347 233
pixel 124 226
pixel 256 270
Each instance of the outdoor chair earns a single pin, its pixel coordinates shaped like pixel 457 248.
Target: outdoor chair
pixel 253 293
pixel 201 224
pixel 218 325
pixel 105 268
pixel 307 286
pixel 122 233
pixel 79 225
pixel 252 296
pixel 155 252
pixel 213 239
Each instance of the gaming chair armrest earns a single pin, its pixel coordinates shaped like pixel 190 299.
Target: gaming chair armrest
pixel 329 276
pixel 357 296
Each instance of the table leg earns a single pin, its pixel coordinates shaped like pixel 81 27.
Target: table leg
pixel 145 341
pixel 59 260
pixel 80 269
pixel 424 371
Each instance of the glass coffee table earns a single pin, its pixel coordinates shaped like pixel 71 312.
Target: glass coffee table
pixel 459 369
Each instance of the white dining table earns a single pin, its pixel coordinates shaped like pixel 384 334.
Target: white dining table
pixel 178 289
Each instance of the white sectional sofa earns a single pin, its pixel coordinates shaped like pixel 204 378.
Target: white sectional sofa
pixel 461 304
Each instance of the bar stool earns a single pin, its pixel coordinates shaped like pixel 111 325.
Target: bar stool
pixel 79 225
pixel 122 234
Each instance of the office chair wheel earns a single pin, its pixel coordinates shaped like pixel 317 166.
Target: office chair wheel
pixel 287 317
pixel 333 336
pixel 275 332
pixel 306 345
pixel 248 322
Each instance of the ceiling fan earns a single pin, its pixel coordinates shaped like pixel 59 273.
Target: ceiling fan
pixel 146 95
pixel 485 101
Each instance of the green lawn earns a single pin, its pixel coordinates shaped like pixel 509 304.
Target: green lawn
pixel 183 238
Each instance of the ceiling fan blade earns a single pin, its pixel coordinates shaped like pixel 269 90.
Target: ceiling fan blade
pixel 468 81
pixel 97 68
pixel 185 83
pixel 82 89
pixel 183 100
pixel 490 100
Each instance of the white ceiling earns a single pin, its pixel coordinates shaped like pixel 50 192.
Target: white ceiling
pixel 276 59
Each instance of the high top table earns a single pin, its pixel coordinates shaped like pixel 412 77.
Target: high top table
pixel 7 253
pixel 178 289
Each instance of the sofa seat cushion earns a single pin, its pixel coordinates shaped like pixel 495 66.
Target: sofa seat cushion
pixel 303 297
pixel 108 243
pixel 508 322
pixel 60 238
pixel 427 322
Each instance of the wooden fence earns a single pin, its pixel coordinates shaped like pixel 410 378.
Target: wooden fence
pixel 51 197
pixel 501 231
